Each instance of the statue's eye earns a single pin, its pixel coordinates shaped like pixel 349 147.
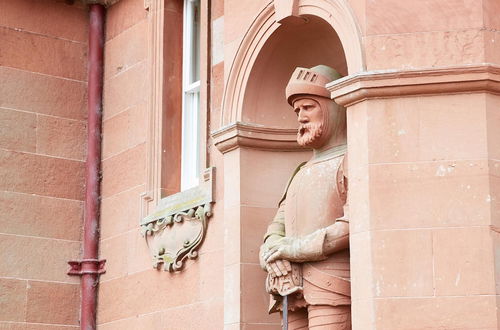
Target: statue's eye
pixel 297 112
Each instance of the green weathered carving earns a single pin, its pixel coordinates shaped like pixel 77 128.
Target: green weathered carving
pixel 175 231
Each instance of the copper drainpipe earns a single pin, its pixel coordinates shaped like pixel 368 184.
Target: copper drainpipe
pixel 90 267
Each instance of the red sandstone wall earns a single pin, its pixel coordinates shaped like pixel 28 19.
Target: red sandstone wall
pixel 42 151
pixel 132 294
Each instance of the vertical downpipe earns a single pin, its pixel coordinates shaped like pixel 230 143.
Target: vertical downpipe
pixel 90 279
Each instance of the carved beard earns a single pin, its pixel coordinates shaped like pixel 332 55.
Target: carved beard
pixel 308 133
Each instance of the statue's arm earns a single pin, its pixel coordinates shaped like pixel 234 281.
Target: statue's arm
pixel 336 236
pixel 276 228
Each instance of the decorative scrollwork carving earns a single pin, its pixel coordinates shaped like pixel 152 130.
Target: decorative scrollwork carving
pixel 176 230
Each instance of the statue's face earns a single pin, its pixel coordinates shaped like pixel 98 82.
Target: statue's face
pixel 311 120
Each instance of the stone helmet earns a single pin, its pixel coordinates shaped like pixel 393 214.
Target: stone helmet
pixel 310 82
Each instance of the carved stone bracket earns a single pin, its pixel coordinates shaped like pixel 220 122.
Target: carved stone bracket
pixel 175 231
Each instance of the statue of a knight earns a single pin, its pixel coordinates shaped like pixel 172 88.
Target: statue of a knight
pixel 306 246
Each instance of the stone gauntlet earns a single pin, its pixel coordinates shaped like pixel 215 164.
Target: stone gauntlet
pixel 275 231
pixel 297 249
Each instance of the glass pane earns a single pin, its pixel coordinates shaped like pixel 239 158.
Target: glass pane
pixel 190 166
pixel 195 41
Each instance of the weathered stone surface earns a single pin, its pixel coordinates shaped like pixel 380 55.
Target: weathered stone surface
pixel 28 257
pixel 55 57
pixel 53 303
pixel 32 92
pixel 61 137
pixel 33 215
pixel 71 20
pixel 124 171
pixel 12 300
pixel 123 15
pixel 18 130
pixel 41 175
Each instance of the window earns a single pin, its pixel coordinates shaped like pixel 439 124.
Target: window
pixel 190 160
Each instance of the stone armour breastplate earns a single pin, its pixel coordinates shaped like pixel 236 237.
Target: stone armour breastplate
pixel 315 198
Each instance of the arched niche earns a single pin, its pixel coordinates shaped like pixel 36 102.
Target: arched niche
pixel 272 27
pixel 305 42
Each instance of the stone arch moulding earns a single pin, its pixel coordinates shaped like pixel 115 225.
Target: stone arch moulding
pixel 337 13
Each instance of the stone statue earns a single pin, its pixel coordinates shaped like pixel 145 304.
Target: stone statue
pixel 306 246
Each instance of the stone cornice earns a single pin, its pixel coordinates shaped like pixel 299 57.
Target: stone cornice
pixel 384 84
pixel 257 137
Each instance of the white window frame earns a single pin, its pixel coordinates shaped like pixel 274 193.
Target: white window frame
pixel 190 155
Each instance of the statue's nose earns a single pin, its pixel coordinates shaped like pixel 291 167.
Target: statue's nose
pixel 302 118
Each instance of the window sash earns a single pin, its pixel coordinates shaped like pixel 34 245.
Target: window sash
pixel 190 160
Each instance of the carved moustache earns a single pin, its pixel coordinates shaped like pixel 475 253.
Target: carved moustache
pixel 308 133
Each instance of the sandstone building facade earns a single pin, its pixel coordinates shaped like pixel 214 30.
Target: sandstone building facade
pixel 194 118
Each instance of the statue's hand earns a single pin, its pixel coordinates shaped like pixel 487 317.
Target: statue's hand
pixel 297 249
pixel 279 268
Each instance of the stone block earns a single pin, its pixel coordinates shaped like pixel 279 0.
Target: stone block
pixel 19 47
pixel 124 130
pixel 53 303
pixel 18 130
pixel 139 258
pixel 147 291
pixel 12 300
pixel 115 133
pixel 217 9
pixel 254 298
pixel 126 49
pixel 208 314
pixel 115 251
pixel 429 194
pixel 72 21
pixel 394 17
pixel 402 263
pixel 28 258
pixel 491 8
pixel 33 215
pixel 492 46
pixel 125 90
pixel 427 128
pixel 61 137
pixel 253 225
pixel 473 312
pixel 139 322
pixel 464 262
pixel 423 50
pixel 41 175
pixel 121 212
pixel 29 91
pixel 493 126
pixel 216 88
pixel 123 15
pixel 124 171
pixel 211 274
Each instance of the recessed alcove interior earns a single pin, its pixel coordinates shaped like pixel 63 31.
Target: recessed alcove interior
pixel 304 42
